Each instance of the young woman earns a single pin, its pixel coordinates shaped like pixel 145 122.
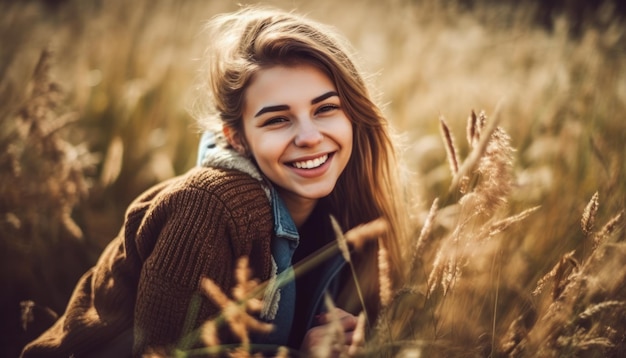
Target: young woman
pixel 298 139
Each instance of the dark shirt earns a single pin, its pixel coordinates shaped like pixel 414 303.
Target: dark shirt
pixel 314 233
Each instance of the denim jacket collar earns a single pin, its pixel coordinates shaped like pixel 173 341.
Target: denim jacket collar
pixel 284 226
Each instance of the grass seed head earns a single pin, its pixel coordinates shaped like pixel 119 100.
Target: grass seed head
pixel 450 147
pixel 589 215
pixel 384 275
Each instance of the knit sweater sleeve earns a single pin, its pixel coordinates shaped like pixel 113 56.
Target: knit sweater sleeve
pixel 197 229
pixel 100 310
pixel 142 289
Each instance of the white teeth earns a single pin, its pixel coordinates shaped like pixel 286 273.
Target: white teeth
pixel 310 164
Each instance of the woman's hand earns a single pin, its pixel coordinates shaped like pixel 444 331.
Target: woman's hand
pixel 332 336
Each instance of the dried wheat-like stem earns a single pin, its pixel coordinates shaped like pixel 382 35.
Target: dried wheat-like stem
pixel 384 274
pixel 363 233
pixel 585 344
pixel 477 151
pixel 450 258
pixel 241 352
pixel 450 147
pixel 208 334
pixel 491 161
pixel 472 131
pixel 515 335
pixel 575 321
pixel 235 313
pixel 358 337
pixel 335 336
pixel 443 263
pixel 589 215
pixel 282 352
pixel 494 170
pixel 50 169
pixel 556 274
pixel 214 292
pixel 615 306
pixel 451 274
pixel 435 274
pixel 246 286
pixel 357 237
pixel 608 229
pixel 28 309
pixel 422 240
pixel 341 239
pixel 504 224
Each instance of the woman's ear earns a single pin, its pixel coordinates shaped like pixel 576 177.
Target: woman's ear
pixel 233 137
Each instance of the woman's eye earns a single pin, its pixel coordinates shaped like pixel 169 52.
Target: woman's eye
pixel 327 108
pixel 274 120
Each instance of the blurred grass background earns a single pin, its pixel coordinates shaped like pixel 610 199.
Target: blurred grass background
pixel 106 115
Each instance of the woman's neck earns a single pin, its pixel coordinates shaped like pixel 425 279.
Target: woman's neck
pixel 299 208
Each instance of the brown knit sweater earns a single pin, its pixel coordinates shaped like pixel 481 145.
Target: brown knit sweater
pixel 141 290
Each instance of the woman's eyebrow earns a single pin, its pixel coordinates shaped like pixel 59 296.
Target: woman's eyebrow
pixel 324 96
pixel 284 107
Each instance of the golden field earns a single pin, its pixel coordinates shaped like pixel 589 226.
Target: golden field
pixel 522 258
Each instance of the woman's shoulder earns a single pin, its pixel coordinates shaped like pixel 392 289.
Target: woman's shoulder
pixel 198 202
pixel 201 186
pixel 222 182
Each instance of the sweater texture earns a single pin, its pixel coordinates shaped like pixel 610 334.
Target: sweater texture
pixel 145 287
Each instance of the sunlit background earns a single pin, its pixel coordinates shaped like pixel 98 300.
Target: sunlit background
pixel 95 101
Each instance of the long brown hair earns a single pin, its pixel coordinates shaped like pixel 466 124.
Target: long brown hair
pixel 254 38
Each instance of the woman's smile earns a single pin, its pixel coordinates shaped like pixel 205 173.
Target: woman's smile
pixel 310 163
pixel 313 167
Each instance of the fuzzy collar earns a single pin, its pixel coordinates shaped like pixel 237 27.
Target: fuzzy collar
pixel 218 156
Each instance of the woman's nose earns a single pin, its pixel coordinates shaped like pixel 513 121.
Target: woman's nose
pixel 308 134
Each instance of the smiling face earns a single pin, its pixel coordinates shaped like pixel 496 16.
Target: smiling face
pixel 297 131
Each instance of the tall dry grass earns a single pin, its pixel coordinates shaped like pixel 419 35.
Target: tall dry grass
pixel 104 116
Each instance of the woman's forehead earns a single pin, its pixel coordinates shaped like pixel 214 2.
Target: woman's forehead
pixel 282 85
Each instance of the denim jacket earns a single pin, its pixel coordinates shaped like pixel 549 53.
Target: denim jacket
pixel 280 297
